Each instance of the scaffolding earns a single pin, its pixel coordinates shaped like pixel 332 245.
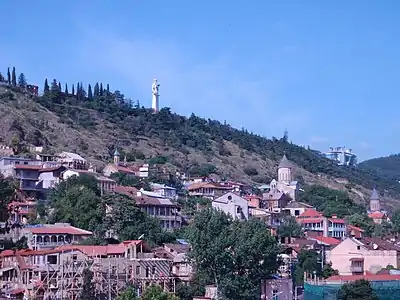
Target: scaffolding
pixel 110 277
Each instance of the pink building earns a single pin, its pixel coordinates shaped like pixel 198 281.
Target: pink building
pixel 365 256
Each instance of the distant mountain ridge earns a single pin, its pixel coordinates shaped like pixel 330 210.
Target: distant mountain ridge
pixel 388 166
pixel 96 121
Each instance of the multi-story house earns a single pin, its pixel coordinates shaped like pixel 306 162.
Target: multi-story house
pixel 295 208
pixel 25 170
pixel 50 176
pixel 164 190
pixel 208 190
pixel 275 200
pixel 360 256
pixel 155 205
pixel 72 160
pixel 50 236
pixel 233 205
pixel 106 185
pixel 313 220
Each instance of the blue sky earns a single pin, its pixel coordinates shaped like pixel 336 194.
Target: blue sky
pixel 328 71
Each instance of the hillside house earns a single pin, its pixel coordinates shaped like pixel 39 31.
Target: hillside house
pixel 25 170
pixel 72 161
pixel 312 220
pixel 367 255
pixel 106 185
pixel 164 191
pixel 233 205
pixel 176 254
pixel 50 236
pixel 154 205
pixel 49 177
pixel 275 200
pixel 208 190
pixel 295 208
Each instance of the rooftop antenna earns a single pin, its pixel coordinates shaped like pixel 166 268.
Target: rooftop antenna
pixel 141 236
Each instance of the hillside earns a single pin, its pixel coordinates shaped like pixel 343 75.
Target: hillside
pixel 388 166
pixel 94 123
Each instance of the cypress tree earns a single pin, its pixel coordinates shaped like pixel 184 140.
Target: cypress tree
pixel 22 80
pixel 59 86
pixel 78 89
pixel 101 89
pixel 90 94
pixel 108 89
pixel 13 77
pixel 46 86
pixel 66 90
pixel 73 90
pixel 8 76
pixel 96 90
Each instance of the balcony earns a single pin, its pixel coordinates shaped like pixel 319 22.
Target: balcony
pixel 356 269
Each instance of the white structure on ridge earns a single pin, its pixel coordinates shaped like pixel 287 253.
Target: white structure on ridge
pixel 155 88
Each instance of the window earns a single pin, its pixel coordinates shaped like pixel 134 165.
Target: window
pixel 358 247
pixel 137 270
pixel 74 257
pixel 147 272
pixel 153 270
pixel 275 295
pixel 52 259
pixel 297 212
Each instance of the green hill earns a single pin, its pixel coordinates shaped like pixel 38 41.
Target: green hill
pixel 95 121
pixel 386 167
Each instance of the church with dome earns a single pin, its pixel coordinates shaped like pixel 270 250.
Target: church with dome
pixel 285 183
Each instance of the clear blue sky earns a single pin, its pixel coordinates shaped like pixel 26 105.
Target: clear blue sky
pixel 328 71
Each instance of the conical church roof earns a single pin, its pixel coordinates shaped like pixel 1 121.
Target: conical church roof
pixel 374 195
pixel 285 163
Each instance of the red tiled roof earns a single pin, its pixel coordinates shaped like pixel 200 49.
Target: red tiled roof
pixel 327 240
pixel 310 213
pixel 352 227
pixel 337 221
pixel 58 230
pixel 372 277
pixel 376 215
pixel 51 169
pixel 311 220
pixel 126 190
pixel 90 250
pixel 28 167
pixel 124 169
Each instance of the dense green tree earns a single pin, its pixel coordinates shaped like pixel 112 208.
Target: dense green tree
pixel 128 294
pixel 155 292
pixel 108 89
pixel 8 76
pixel 22 80
pixel 362 221
pixel 2 79
pixel 90 93
pixel 7 189
pixel 129 222
pixel 77 194
pixel 88 287
pixel 73 90
pixel 59 87
pixel 231 254
pixel 101 89
pixel 66 89
pixel 396 221
pixel 330 201
pixel 13 77
pixel 96 90
pixel 46 86
pixel 357 290
pixel 289 227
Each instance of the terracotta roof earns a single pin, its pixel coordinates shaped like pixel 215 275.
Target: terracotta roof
pixel 310 220
pixel 310 213
pixel 376 215
pixel 352 227
pixel 337 221
pixel 91 250
pixel 125 169
pixel 58 230
pixel 382 244
pixel 372 277
pixel 126 190
pixel 327 240
pixel 28 167
pixel 51 169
